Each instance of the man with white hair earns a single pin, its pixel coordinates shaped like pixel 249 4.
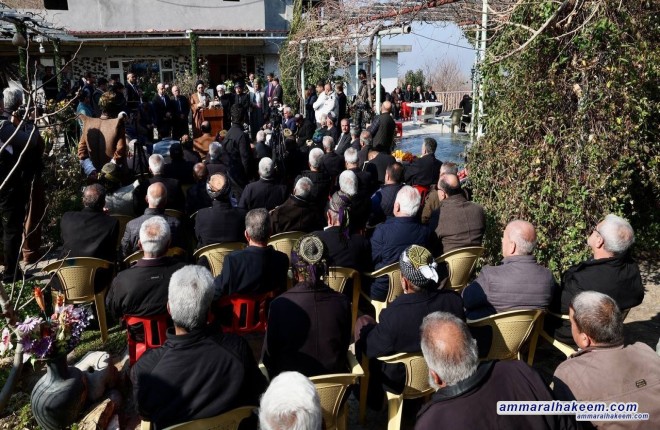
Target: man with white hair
pixel 604 369
pixel 467 391
pixel 291 402
pixel 518 283
pixel 267 192
pixel 225 101
pixel 175 198
pixel 321 180
pixel 197 373
pixel 163 111
pixel 393 236
pixel 157 201
pixel 261 148
pixel 331 162
pixel 180 111
pixel 214 162
pixel 612 271
pixel 142 289
pixel 298 212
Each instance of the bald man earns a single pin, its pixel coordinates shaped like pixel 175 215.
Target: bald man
pixel 221 222
pixel 518 283
pixel 163 111
pixel 382 129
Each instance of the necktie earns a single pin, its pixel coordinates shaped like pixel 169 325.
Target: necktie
pixel 178 102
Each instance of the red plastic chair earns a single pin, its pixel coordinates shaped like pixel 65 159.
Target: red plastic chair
pixel 399 128
pixel 406 112
pixel 136 348
pixel 249 313
pixel 423 191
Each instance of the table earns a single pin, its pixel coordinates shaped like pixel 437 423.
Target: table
pixel 428 111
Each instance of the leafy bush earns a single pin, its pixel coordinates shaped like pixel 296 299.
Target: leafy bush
pixel 572 126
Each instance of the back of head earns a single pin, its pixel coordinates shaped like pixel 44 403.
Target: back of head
pixel 155 236
pixel 205 127
pixel 449 168
pixel 365 138
pixel 12 98
pixel 351 156
pixel 448 348
pixel 157 195
pixel 257 224
pixel 110 177
pixel 218 187
pixel 395 172
pixel 189 296
pixel 156 163
pixel 430 145
pixel 108 104
pixel 387 107
pixel 348 183
pixel 408 200
pixel 261 136
pixel 328 143
pixel 617 234
pixel 303 188
pixel 200 171
pixel 266 166
pixel 315 156
pixel 450 185
pixel 523 234
pixel 291 402
pixel 94 197
pixel 308 259
pixel 598 316
pixel 419 267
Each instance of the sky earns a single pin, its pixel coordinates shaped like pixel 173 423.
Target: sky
pixel 432 44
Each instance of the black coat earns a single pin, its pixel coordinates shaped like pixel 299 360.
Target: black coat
pixel 219 223
pixel 264 193
pixel 89 233
pixel 382 161
pixel 321 185
pixel 197 198
pixel 129 243
pixel 423 171
pixel 237 155
pixel 175 198
pixel 333 132
pixel 382 130
pixel 353 252
pixel 343 143
pixel 161 109
pixel 295 215
pixel 382 203
pixel 181 170
pixel 333 164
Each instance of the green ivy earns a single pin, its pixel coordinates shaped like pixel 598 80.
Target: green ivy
pixel 572 127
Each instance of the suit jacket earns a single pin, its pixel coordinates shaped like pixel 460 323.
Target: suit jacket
pixel 343 144
pixel 264 193
pixel 277 93
pixel 219 223
pixel 382 161
pixel 423 171
pixel 295 215
pixel 161 109
pixel 321 185
pixel 89 233
pixel 179 169
pixel 129 243
pixel 309 329
pixel 133 97
pixel 237 155
pixel 253 270
pixel 461 224
pixel 175 198
pixel 333 164
pixel 102 140
pixel 382 129
pixel 353 252
pixel 197 198
pixel 181 106
pixel 333 132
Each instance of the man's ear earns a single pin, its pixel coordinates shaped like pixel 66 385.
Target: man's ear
pixel 168 308
pixel 435 378
pixel 397 207
pixel 247 236
pixel 140 245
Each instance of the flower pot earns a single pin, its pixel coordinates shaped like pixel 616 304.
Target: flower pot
pixel 59 396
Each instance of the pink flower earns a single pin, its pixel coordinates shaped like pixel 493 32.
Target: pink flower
pixel 6 344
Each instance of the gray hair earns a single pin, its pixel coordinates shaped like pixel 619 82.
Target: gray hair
pixel 155 236
pixel 153 201
pixel 13 98
pixel 365 138
pixel 257 224
pixel 524 246
pixel 348 183
pixel 189 296
pixel 303 188
pixel 94 197
pixel 286 109
pixel 430 145
pixel 328 143
pixel 315 157
pixel 214 150
pixel 156 163
pixel 598 316
pixel 449 169
pixel 617 234
pixel 291 402
pixel 261 136
pixel 266 168
pixel 351 156
pixel 355 132
pixel 454 362
pixel 409 200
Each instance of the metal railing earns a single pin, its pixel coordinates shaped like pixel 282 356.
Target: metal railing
pixel 451 99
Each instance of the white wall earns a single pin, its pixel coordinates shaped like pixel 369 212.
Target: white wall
pixel 389 69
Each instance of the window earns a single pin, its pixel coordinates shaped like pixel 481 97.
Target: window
pixel 161 70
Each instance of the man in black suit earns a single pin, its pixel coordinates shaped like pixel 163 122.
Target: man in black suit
pixel 197 197
pixel 298 213
pixel 425 170
pixel 345 138
pixel 321 180
pixel 355 138
pixel 91 232
pixel 175 197
pixel 277 93
pixel 221 222
pixel 237 155
pixel 332 163
pixel 163 111
pixel 382 129
pixel 398 327
pixel 179 168
pixel 181 110
pixel 142 289
pixel 331 124
pixel 267 192
pixel 257 269
pixel 133 93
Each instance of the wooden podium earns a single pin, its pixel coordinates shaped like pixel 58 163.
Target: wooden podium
pixel 215 117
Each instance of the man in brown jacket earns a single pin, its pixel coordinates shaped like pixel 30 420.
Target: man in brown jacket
pixel 604 369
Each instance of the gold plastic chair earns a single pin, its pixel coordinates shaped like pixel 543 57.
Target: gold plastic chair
pixel 228 421
pixel 460 263
pixel 175 213
pixel 284 242
pixel 510 330
pixel 393 273
pixel 76 277
pixel 175 251
pixel 215 254
pixel 417 385
pixel 337 278
pixel 332 391
pixel 123 220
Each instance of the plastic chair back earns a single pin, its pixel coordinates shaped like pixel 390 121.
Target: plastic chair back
pixel 395 289
pixel 123 221
pixel 215 254
pixel 510 330
pixel 230 420
pixel 284 242
pixel 460 263
pixel 337 279
pixel 136 348
pixel 249 313
pixel 456 116
pixel 174 251
pixel 175 213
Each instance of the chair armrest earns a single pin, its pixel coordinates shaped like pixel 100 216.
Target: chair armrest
pixel 353 364
pixel 558 316
pixel 145 425
pixel 264 371
pixel 394 357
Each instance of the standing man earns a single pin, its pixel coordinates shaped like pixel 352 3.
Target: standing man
pixel 181 110
pixel 276 94
pixel 237 155
pixel 382 129
pixel 133 93
pixel 324 103
pixel 162 111
pixel 344 141
pixel 257 110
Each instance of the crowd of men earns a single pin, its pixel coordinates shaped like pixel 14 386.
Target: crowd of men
pixel 359 208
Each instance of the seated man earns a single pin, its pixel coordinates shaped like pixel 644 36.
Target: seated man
pixel 461 223
pixel 393 236
pixel 398 329
pixel 382 201
pixel 202 143
pixel 118 200
pixel 142 289
pixel 467 391
pixel 90 233
pixel 267 192
pixel 612 271
pixel 157 200
pixel 298 212
pixel 321 181
pixel 221 222
pixel 220 372
pixel 604 369
pixel 214 163
pixel 291 402
pixel 425 170
pixel 178 167
pixel 366 182
pixel 432 205
pixel 175 197
pixel 257 269
pixel 519 283
pixel 196 196
pixel 309 326
pixel 331 162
